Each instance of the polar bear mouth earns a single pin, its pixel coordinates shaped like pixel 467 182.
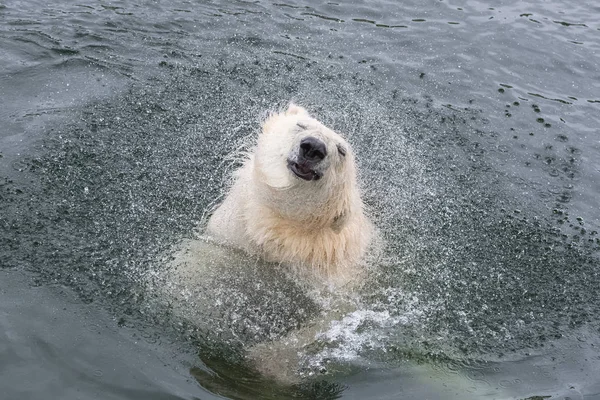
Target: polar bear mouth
pixel 303 171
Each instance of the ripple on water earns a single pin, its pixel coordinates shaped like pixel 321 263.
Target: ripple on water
pixel 477 265
pixel 119 188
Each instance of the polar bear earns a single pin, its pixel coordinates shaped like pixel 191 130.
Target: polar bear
pixel 296 200
pixel 295 211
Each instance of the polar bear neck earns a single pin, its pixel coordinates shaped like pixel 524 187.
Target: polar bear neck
pixel 327 249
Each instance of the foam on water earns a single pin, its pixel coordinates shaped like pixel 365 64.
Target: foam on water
pixel 358 331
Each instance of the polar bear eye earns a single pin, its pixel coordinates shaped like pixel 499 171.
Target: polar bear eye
pixel 301 126
pixel 341 150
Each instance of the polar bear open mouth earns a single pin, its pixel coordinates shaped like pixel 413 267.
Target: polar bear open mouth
pixel 304 171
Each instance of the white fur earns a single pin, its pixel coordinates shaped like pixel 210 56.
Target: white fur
pixel 318 227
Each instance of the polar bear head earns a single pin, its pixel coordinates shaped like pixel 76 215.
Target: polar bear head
pixel 296 200
pixel 306 169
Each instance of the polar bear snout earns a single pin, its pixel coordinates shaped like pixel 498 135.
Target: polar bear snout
pixel 307 163
pixel 312 150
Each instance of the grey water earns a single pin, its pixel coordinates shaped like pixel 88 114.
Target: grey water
pixel 476 128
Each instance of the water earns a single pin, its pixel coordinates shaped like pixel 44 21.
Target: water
pixel 475 128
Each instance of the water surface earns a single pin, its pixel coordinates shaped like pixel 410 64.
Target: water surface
pixel 476 132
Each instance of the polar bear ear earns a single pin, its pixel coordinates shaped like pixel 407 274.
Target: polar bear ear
pixel 294 109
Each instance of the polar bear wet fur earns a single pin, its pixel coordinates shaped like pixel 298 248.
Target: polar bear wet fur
pixel 296 200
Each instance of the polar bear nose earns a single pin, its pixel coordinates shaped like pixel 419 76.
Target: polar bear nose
pixel 312 149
